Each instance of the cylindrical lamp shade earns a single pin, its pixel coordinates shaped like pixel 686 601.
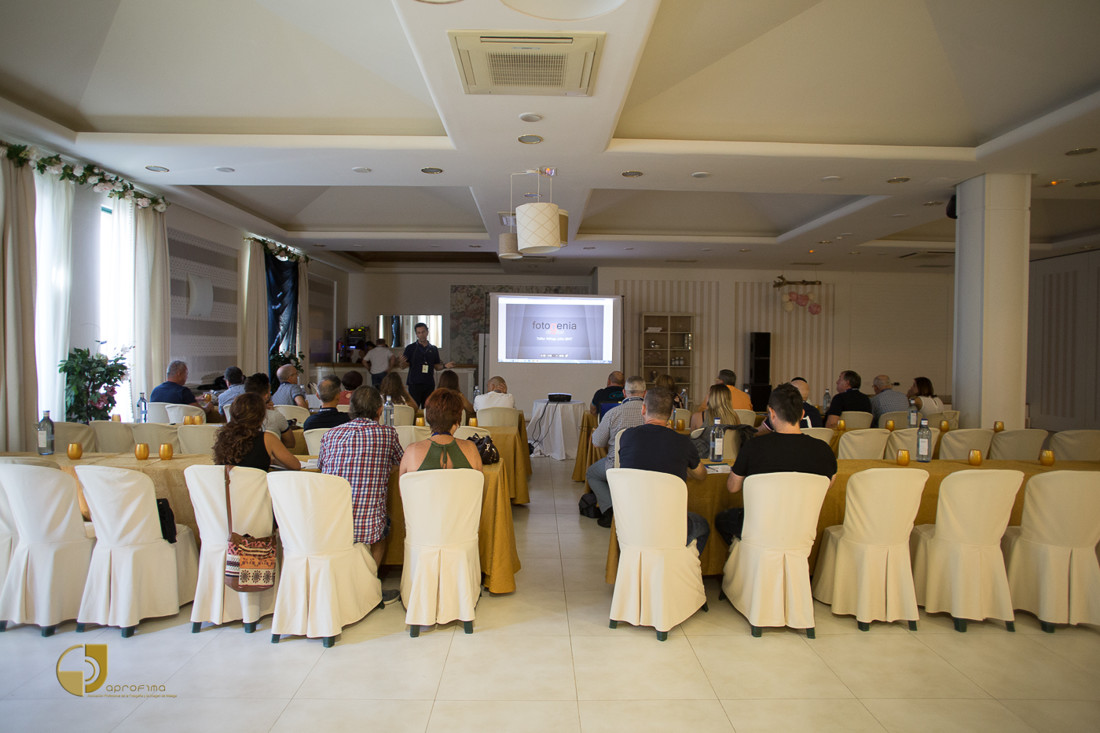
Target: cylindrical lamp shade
pixel 537 228
pixel 563 226
pixel 508 247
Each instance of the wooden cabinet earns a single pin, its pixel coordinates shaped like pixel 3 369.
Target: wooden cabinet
pixel 666 344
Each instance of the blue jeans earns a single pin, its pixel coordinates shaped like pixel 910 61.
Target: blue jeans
pixel 698 530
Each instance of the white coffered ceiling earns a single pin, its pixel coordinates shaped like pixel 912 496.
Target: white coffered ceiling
pixel 771 98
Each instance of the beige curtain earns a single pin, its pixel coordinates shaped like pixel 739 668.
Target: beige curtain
pixel 252 309
pixel 152 300
pixel 53 229
pixel 303 317
pixel 18 380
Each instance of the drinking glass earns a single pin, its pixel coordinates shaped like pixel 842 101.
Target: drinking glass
pixel 1046 457
pixel 889 424
pixel 473 422
pixel 76 450
pixel 903 457
pixel 116 417
pixel 944 426
pixel 420 421
pixel 680 424
pixel 975 457
pixel 141 451
pixel 998 426
pixel 166 451
pixel 840 424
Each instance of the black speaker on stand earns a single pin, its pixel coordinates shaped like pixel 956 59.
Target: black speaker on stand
pixel 760 369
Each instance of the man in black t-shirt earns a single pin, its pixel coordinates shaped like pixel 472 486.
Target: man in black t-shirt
pixel 784 449
pixel 848 397
pixel 329 416
pixel 423 361
pixel 613 392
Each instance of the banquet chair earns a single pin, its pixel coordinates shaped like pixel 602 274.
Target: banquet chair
pixel 659 582
pixel 343 408
pixel 294 412
pixel 49 560
pixel 492 416
pixel 866 444
pixel 157 412
pixel 176 413
pixel 313 440
pixel 154 434
pixel 825 434
pixel 1076 445
pixel 934 419
pixel 441 577
pixel 73 432
pixel 408 434
pixel 747 417
pixel 327 581
pixel 215 602
pixel 906 439
pixel 404 415
pixel 767 575
pixel 952 418
pixel 1017 445
pixel 465 432
pixel 1050 560
pixel 957 562
pixel 196 439
pixel 42 462
pixel 9 537
pixel 697 432
pixel 135 573
pixel 856 419
pixel 681 413
pixel 955 445
pixel 113 437
pixel 900 418
pixel 863 569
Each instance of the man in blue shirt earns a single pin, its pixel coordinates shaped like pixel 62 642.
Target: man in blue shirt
pixel 173 391
pixel 423 361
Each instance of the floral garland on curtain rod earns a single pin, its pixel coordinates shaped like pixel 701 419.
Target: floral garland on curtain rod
pixel 100 180
pixel 281 251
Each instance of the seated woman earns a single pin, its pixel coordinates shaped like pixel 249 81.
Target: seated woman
pixel 442 411
pixel 393 388
pixel 925 397
pixel 243 442
pixel 666 381
pixel 449 380
pixel 719 405
pixel 351 381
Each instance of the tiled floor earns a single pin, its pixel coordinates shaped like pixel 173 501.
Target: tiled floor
pixel 543 659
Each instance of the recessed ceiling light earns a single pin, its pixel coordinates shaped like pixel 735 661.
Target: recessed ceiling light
pixel 588 248
pixel 475 246
pixel 824 241
pixel 360 169
pixel 530 139
pixel 628 249
pixel 156 168
pixel 898 179
pixel 845 234
pixel 225 169
pixel 745 249
pixel 831 179
pixel 1080 151
pixel 707 249
pixel 853 252
pixel 530 117
pixel 811 251
pixel 1054 182
pixel 701 174
pixel 632 174
pixel 1086 184
pixel 531 195
pixel 431 171
pixel 898 216
pixel 933 203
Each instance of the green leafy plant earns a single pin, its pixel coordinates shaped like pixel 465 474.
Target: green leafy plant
pixel 285 357
pixel 90 384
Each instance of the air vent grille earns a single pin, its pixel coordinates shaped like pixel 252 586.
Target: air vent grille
pixel 524 70
pixel 505 62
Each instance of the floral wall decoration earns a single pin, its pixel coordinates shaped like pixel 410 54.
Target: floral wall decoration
pixel 798 293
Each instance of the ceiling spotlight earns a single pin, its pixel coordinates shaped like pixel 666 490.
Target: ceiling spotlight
pixel 632 174
pixel 701 174
pixel 745 249
pixel 628 249
pixel 156 169
pixel 898 179
pixel 360 169
pixel 1054 182
pixel 844 234
pixel 532 195
pixel 853 252
pixel 530 117
pixel 898 216
pixel 431 171
pixel 588 248
pixel 225 169
pixel 530 139
pixel 1080 151
pixel 1086 184
pixel 831 179
pixel 824 241
pixel 475 246
pixel 811 251
pixel 933 203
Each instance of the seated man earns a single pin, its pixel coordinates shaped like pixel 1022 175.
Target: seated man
pixel 497 396
pixel 328 391
pixel 783 449
pixel 172 389
pixel 364 452
pixel 234 377
pixel 885 399
pixel 848 397
pixel 811 417
pixel 289 391
pixel 275 421
pixel 654 446
pixel 613 392
pixel 351 381
pixel 628 414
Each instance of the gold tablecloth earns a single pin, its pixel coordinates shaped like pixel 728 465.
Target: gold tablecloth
pixel 709 496
pixel 515 459
pixel 587 454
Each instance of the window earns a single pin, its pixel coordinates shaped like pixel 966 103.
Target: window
pixel 116 296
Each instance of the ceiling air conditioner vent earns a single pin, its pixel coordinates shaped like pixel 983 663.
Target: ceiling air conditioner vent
pixel 545 64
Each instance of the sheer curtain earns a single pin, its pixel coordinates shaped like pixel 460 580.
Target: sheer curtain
pixel 303 318
pixel 252 309
pixel 116 301
pixel 53 226
pixel 18 385
pixel 152 311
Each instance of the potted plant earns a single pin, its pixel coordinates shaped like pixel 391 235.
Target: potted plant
pixel 91 381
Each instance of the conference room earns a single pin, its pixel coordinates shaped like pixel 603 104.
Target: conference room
pixel 731 163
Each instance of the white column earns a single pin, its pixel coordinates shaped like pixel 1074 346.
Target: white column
pixel 991 291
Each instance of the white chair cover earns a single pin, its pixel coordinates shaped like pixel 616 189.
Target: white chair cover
pixel 681 413
pixel 154 434
pixel 747 417
pixel 8 535
pixel 952 418
pixel 863 568
pixel 176 413
pixel 906 439
pixel 1076 445
pixel 955 445
pixel 1017 445
pixel 327 580
pixel 856 419
pixel 403 415
pixel 900 418
pixel 294 412
pixel 465 432
pixel 197 439
pixel 491 416
pixel 42 462
pixel 73 432
pixel 408 434
pixel 441 579
pixel 313 440
pixel 135 573
pixel 825 434
pixel 1050 557
pixel 214 601
pixel 157 412
pixel 343 408
pixel 767 576
pixel 113 437
pixel 49 562
pixel 659 582
pixel 957 562
pixel 867 444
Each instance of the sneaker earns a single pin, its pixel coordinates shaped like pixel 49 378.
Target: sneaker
pixel 390 596
pixel 605 518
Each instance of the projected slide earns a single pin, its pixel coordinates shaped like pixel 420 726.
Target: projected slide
pixel 555 330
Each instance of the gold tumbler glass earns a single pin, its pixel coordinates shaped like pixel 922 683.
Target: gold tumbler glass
pixel 141 451
pixel 680 424
pixel 840 425
pixel 903 457
pixel 166 451
pixel 975 457
pixel 944 426
pixel 420 422
pixel 1046 457
pixel 889 424
pixel 76 450
pixel 473 422
pixel 998 426
pixel 116 417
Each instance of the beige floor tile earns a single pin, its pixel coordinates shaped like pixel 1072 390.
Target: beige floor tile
pixel 1078 644
pixel 354 716
pixel 87 715
pixel 570 522
pixel 654 716
pixel 936 623
pixel 514 716
pixel 721 618
pixel 776 665
pixel 585 574
pixel 542 575
pixel 1058 716
pixel 639 668
pixel 946 716
pixel 537 547
pixel 384 668
pixel 187 715
pixel 827 622
pixel 526 522
pixel 782 716
pixel 535 613
pixel 585 545
pixel 508 667
pixel 589 616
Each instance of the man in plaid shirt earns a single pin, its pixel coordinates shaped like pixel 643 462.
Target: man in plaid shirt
pixel 364 452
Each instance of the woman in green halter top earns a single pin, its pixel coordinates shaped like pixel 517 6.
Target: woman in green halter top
pixel 442 412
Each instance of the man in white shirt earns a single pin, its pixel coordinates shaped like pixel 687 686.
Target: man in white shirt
pixel 497 396
pixel 380 359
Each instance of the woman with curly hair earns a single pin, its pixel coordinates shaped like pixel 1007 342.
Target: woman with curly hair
pixel 243 442
pixel 442 412
pixel 393 388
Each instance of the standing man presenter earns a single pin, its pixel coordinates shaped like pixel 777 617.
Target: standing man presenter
pixel 423 361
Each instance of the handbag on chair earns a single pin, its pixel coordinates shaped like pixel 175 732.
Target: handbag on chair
pixel 249 561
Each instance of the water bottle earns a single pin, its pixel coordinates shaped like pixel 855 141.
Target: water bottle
pixel 45 435
pixel 828 398
pixel 387 412
pixel 143 408
pixel 477 391
pixel 716 441
pixel 684 398
pixel 913 417
pixel 924 442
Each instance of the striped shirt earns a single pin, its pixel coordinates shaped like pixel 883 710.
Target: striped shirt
pixel 364 453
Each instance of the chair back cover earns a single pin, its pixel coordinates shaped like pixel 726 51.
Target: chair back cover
pixel 491 416
pixel 8 535
pixel 825 434
pixel 252 515
pixel 681 413
pixel 113 437
pixel 1076 445
pixel 465 432
pixel 176 413
pixel 441 579
pixel 409 434
pixel 906 439
pixel 343 408
pixel 974 505
pixel 659 581
pixel 155 434
pixel 49 560
pixel 900 418
pixel 856 419
pixel 867 444
pixel 1017 445
pixel 73 432
pixel 313 440
pixel 197 439
pixel 881 504
pixel 747 417
pixel 157 412
pixel 29 461
pixel 952 418
pixel 955 445
pixel 294 412
pixel 403 415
